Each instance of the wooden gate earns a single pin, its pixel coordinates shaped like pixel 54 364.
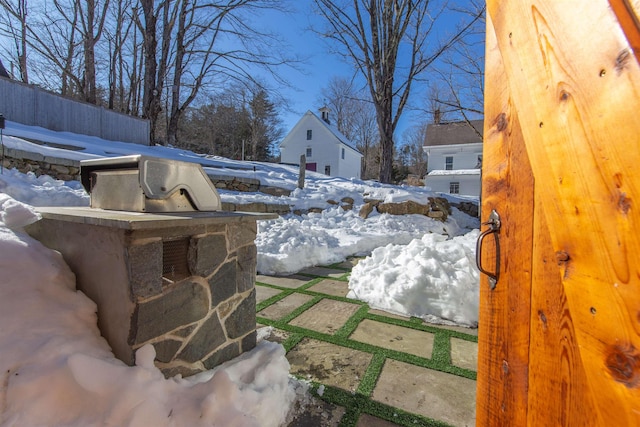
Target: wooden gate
pixel 559 335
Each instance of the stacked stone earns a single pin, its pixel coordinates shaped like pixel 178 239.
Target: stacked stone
pixel 202 320
pixel 24 161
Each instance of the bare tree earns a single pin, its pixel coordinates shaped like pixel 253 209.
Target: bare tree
pixel 117 37
pixel 202 46
pixel 371 34
pixel 92 20
pixel 457 91
pixel 152 57
pixel 17 11
pixel 151 102
pixel 355 118
pixel 340 96
pixel 412 148
pixel 69 79
pixel 217 44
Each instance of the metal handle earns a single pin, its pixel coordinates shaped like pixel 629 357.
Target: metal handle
pixel 494 227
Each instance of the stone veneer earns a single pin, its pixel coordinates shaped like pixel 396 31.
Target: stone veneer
pixel 181 282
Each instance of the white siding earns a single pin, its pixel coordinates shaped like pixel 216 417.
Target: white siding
pixel 465 156
pixel 350 167
pixel 469 184
pixel 326 148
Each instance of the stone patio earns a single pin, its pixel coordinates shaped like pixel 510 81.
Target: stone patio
pixel 377 369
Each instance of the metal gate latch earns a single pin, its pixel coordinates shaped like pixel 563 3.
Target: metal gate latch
pixel 494 227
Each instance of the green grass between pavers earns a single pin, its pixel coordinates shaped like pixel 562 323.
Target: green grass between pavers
pixel 438 364
pixel 357 404
pixel 360 402
pixel 371 375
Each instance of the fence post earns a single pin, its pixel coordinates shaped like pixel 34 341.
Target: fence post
pixel 303 168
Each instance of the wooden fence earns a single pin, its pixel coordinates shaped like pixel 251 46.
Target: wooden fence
pixel 33 106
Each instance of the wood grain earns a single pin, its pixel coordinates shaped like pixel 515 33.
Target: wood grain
pixel 575 82
pixel 558 389
pixel 507 187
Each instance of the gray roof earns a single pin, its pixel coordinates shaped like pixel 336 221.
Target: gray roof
pixel 454 133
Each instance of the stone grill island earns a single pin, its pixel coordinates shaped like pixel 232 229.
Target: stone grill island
pixel 181 281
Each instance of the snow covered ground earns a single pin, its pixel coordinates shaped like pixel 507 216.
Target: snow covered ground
pixel 61 372
pixel 58 371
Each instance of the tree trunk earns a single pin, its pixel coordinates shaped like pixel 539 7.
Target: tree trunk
pixel 151 97
pixel 176 111
pixel 386 153
pixel 22 58
pixel 67 72
pixel 89 55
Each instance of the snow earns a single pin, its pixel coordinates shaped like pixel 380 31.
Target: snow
pixel 433 278
pixel 290 243
pixel 57 369
pixel 42 190
pixel 442 172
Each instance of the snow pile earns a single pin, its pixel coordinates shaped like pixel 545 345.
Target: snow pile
pixel 432 278
pixel 42 190
pixel 291 243
pixel 58 370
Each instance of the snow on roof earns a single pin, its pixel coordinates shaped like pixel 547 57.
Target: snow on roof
pixel 334 130
pixel 441 172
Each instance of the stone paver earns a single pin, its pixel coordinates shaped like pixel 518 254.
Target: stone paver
pixel 464 354
pixel 264 293
pixel 317 412
pixel 328 363
pixel 291 282
pixel 387 314
pixel 406 340
pixel 349 264
pixel 285 306
pixel 417 390
pixel 430 393
pixel 367 420
pixel 331 287
pixel 468 331
pixel 324 271
pixel 326 316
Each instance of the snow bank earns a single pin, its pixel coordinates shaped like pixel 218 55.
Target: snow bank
pixel 433 278
pixel 42 190
pixel 291 243
pixel 58 370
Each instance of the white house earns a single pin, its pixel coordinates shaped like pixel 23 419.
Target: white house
pixel 454 157
pixel 326 149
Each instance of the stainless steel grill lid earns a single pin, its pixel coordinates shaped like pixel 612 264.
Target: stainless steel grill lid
pixel 147 184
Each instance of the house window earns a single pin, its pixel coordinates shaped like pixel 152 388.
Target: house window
pixel 308 152
pixel 309 135
pixel 454 188
pixel 448 163
pixel 327 170
pixel 479 163
pixel 343 154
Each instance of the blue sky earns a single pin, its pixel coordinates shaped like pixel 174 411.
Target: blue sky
pixel 322 66
pixel 318 68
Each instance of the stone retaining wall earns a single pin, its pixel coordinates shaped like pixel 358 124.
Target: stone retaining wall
pixel 56 167
pixel 64 169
